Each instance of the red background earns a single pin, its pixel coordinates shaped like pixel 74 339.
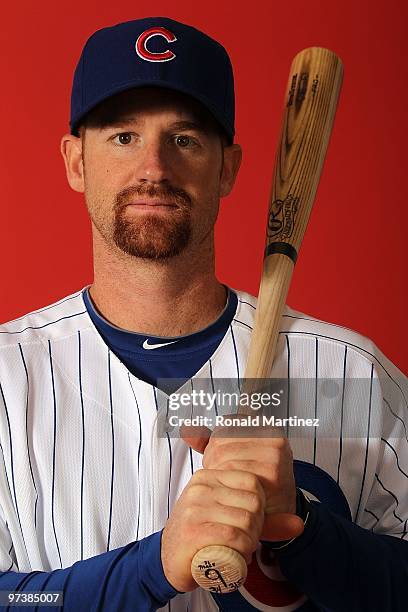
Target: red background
pixel 352 267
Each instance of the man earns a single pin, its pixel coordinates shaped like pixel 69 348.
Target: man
pixel 94 501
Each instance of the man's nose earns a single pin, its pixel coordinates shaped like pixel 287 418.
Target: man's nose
pixel 154 164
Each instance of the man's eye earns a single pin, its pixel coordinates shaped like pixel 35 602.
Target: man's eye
pixel 184 141
pixel 124 139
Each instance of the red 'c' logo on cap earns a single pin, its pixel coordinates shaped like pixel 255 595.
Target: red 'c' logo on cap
pixel 149 56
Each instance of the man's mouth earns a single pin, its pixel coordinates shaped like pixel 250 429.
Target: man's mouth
pixel 151 205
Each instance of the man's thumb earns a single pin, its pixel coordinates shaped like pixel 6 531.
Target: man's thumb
pixel 282 526
pixel 196 437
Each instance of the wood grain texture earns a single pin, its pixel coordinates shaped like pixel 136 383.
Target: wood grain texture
pixel 276 276
pixel 311 98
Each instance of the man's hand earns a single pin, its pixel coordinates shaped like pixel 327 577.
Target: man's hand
pixel 223 507
pixel 269 458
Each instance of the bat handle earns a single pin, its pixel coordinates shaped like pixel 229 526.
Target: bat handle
pixel 219 569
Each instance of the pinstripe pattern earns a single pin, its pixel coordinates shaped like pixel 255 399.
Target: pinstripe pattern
pixel 12 467
pixel 138 455
pixel 21 331
pixel 396 456
pixel 212 386
pixel 54 450
pixel 170 473
pixel 170 458
pixel 367 445
pixel 393 496
pixel 52 306
pixel 113 452
pixel 397 417
pixel 236 357
pixel 83 443
pixel 372 514
pixel 316 398
pixel 27 429
pixel 190 452
pixel 9 491
pixel 83 470
pixel 242 323
pixel 342 415
pixel 288 379
pixel 371 355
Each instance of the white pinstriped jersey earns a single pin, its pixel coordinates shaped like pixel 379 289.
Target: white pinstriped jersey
pixel 83 470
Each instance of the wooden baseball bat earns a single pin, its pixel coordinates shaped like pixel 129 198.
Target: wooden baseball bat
pixel 311 97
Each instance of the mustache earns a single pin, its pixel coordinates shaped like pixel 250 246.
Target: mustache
pixel 167 192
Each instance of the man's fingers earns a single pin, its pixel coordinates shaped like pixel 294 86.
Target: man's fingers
pixel 196 437
pixel 235 479
pixel 281 526
pixel 245 500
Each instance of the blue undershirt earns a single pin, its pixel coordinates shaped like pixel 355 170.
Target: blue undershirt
pixel 181 358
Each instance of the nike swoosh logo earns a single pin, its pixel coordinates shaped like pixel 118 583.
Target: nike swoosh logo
pixel 149 347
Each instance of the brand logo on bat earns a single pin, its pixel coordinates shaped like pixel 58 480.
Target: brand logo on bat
pixel 302 87
pixel 302 84
pixel 282 216
pixel 292 90
pixel 154 56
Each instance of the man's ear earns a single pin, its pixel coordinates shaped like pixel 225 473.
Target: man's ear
pixel 71 151
pixel 232 162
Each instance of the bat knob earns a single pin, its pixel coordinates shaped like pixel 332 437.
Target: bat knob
pixel 219 569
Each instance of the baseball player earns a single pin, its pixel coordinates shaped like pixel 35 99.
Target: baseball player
pixel 99 499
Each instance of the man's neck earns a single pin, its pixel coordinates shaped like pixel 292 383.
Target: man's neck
pixel 172 298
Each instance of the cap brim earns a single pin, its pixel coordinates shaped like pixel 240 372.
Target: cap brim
pixel 156 83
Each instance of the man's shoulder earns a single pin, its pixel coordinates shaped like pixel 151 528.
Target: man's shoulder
pixel 53 321
pixel 298 325
pixel 296 322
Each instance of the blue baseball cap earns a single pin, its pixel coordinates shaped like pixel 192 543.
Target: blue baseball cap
pixel 158 52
